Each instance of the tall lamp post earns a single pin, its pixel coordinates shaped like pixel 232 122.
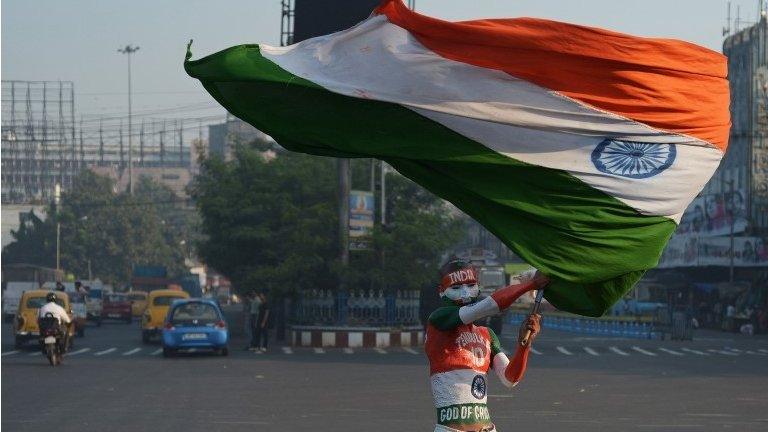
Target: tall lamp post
pixel 128 50
pixel 57 203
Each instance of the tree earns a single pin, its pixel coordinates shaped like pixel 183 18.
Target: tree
pixel 268 224
pixel 274 224
pixel 100 228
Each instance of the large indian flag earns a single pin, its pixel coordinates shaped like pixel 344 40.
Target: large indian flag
pixel 578 147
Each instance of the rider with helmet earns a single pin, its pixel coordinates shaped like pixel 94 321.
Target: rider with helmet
pixel 52 309
pixel 461 353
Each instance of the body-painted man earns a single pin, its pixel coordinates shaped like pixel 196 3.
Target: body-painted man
pixel 461 353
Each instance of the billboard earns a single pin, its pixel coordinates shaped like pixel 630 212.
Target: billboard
pixel 710 215
pixel 320 17
pixel 695 251
pixel 361 208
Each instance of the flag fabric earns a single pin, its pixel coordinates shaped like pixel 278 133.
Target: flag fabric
pixel 578 147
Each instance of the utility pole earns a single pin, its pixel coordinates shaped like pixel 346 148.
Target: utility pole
pixel 343 172
pixel 128 50
pixel 383 194
pixel 731 214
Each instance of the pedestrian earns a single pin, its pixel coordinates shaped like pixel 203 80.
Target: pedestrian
pixel 253 315
pixel 262 323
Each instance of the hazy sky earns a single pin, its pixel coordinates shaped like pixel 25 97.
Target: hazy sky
pixel 76 40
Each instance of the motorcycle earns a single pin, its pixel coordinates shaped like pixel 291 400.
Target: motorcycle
pixel 50 339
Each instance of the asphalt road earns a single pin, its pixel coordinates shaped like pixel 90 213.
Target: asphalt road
pixel 111 382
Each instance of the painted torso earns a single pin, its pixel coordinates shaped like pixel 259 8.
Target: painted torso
pixel 458 362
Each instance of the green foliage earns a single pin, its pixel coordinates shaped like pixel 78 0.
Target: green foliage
pixel 274 225
pixel 268 224
pixel 112 230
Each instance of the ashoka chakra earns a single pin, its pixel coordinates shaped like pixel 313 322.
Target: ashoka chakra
pixel 633 159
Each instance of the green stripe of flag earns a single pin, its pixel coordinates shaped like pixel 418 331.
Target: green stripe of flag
pixel 592 245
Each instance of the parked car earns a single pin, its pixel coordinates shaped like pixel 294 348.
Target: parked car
pixel 158 303
pixel 118 307
pixel 25 324
pixel 195 323
pixel 138 302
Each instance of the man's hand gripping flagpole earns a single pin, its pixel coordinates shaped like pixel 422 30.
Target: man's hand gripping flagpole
pixel 529 329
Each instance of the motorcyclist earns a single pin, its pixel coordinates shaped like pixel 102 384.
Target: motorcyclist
pixel 461 353
pixel 51 308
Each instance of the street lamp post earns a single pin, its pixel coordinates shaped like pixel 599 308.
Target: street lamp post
pixel 128 50
pixel 56 203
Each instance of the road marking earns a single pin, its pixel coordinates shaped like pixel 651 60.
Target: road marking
pixel 535 351
pixel 131 352
pixel 10 353
pixel 735 350
pixel 590 351
pixel 765 351
pixel 379 350
pixel 669 351
pixel 319 351
pixel 287 350
pixel 106 351
pixel 693 351
pixel 80 351
pixel 34 353
pixel 722 352
pixel 349 351
pixel 156 352
pixel 564 351
pixel 410 350
pixel 642 351
pixel 618 351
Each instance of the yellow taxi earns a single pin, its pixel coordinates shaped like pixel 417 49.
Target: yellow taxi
pixel 138 302
pixel 158 302
pixel 25 324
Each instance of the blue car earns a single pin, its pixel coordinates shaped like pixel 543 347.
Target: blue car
pixel 195 323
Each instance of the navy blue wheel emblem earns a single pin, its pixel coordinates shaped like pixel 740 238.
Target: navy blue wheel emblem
pixel 478 387
pixel 633 159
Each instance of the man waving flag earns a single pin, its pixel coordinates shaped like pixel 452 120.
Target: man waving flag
pixel 578 147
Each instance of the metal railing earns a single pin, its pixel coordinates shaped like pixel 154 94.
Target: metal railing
pixel 357 307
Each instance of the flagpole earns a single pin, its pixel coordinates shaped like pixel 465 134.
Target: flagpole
pixel 534 310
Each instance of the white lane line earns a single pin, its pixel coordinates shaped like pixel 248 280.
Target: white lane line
pixel 10 353
pixel 764 351
pixel 379 350
pixel 80 351
pixel 156 352
pixel 564 351
pixel 693 351
pixel 669 351
pixel 106 351
pixel 32 354
pixel 131 352
pixel 618 351
pixel 348 351
pixel 734 350
pixel 410 350
pixel 319 351
pixel 590 351
pixel 642 351
pixel 535 351
pixel 287 350
pixel 722 352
